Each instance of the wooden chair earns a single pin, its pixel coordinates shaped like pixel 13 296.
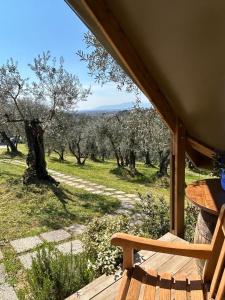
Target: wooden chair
pixel 138 283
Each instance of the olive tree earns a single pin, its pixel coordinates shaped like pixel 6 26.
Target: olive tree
pixel 36 103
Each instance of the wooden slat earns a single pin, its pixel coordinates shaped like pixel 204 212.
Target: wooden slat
pixel 196 287
pixel 180 287
pixel 189 269
pixel 124 285
pixel 174 264
pixel 165 285
pixel 135 283
pixel 205 150
pixel 149 285
pixel 221 290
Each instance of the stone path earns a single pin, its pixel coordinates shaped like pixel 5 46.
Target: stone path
pixel 127 200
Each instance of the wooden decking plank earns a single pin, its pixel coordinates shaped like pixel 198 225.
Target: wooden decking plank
pixel 189 269
pixel 174 264
pixel 169 237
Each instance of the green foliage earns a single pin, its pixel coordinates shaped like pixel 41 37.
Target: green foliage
pixel 105 258
pixel 153 214
pixel 55 276
pixel 154 217
pixel 191 215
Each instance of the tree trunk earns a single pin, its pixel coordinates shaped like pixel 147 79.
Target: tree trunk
pixel 9 143
pixel 164 163
pixel 132 162
pixel 93 157
pixel 60 154
pixel 36 155
pixel 148 162
pixel 127 161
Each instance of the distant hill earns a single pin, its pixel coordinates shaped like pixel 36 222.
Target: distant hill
pixel 114 108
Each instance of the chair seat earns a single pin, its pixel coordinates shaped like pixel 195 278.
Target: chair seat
pixel 140 284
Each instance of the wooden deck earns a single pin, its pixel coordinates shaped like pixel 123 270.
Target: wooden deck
pixel 105 287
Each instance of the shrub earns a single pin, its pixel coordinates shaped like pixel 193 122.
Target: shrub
pixel 191 216
pixel 105 258
pixel 55 276
pixel 154 216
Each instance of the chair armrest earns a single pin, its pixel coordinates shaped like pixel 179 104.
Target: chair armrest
pixel 129 242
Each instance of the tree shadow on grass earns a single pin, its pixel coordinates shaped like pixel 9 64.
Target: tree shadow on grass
pixel 10 155
pixel 98 203
pixel 125 174
pixel 70 164
pixel 57 160
pixel 54 218
pixel 86 203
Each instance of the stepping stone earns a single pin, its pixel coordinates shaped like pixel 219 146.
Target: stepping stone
pixel 1 255
pixel 123 212
pixel 2 274
pixel 97 192
pixel 7 292
pixel 76 229
pixel 25 244
pixel 81 186
pixel 26 259
pixel 110 190
pixel 55 235
pixel 107 193
pixel 74 246
pixel 89 189
pixel 119 192
pixel 131 195
pixel 100 186
pixel 137 199
pixel 69 182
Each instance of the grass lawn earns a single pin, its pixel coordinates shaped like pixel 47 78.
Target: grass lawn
pixel 26 211
pixel 107 174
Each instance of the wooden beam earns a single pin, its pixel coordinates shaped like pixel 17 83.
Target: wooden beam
pixel 198 146
pixel 116 38
pixel 177 203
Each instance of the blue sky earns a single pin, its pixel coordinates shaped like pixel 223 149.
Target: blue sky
pixel 29 27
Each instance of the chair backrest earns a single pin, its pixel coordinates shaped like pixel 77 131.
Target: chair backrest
pixel 214 269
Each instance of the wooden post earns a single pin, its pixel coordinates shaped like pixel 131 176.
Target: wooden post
pixel 172 186
pixel 177 179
